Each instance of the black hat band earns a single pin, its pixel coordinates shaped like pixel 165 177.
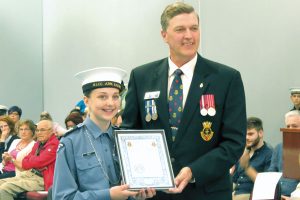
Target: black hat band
pixel 102 84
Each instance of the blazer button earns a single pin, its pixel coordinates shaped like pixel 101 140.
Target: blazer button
pixel 172 159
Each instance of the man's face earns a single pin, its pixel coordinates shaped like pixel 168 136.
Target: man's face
pixel 103 104
pixel 44 131
pixel 295 98
pixel 253 137
pixel 293 121
pixel 183 37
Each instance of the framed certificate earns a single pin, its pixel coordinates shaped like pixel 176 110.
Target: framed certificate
pixel 144 159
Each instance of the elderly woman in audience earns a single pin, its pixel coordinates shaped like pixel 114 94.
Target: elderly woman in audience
pixel 18 149
pixel 72 120
pixel 7 134
pixel 57 128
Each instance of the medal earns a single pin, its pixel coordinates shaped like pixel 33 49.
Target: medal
pixel 206 132
pixel 207 105
pixel 147 108
pixel 211 111
pixel 148 117
pixel 154 116
pixel 203 112
pixel 203 106
pixel 154 110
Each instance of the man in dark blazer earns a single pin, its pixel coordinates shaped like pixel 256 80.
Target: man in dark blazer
pixel 210 136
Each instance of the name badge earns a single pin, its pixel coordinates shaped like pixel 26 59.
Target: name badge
pixel 152 95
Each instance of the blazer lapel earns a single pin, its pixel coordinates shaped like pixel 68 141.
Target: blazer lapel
pixel 198 87
pixel 161 81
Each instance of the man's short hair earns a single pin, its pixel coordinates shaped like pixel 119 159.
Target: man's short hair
pixel 292 113
pixel 254 122
pixel 173 10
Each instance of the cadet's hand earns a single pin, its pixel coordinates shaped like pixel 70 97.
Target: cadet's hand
pixel 144 194
pixel 182 179
pixel 244 160
pixel 121 192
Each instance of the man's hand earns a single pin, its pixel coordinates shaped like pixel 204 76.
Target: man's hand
pixel 182 179
pixel 244 160
pixel 144 194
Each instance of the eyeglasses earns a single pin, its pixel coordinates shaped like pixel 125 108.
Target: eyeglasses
pixel 13 114
pixel 24 129
pixel 42 130
pixel 3 126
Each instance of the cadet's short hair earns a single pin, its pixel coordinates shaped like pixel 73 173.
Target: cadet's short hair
pixel 254 122
pixel 173 10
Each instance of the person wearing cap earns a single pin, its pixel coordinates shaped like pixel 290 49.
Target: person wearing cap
pixel 3 110
pixel 15 113
pixel 295 98
pixel 87 166
pixel 199 103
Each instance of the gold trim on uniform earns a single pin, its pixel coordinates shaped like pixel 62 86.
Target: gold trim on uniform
pixel 206 132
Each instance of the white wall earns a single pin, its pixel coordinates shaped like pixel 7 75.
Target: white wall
pixel 261 39
pixel 21 56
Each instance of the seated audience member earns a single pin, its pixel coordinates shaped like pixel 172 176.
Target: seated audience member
pixel 3 110
pixel 18 149
pixel 292 120
pixel 295 98
pixel 7 134
pixel 39 164
pixel 57 128
pixel 72 120
pixel 256 158
pixel 287 186
pixel 15 113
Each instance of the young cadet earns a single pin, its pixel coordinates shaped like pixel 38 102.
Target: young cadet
pixel 295 98
pixel 87 163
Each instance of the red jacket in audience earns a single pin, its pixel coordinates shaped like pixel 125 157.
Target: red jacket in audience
pixel 42 158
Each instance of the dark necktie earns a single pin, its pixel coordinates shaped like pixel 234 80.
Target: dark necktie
pixel 175 102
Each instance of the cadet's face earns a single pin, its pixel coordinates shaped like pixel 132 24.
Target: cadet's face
pixel 293 122
pixel 253 137
pixel 103 104
pixel 183 37
pixel 296 99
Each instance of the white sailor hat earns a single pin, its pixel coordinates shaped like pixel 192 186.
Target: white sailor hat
pixel 3 107
pixel 295 90
pixel 102 77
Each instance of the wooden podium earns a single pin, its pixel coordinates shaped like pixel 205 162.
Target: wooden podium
pixel 291 153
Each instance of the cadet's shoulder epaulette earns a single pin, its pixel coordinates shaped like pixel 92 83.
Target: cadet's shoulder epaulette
pixel 73 129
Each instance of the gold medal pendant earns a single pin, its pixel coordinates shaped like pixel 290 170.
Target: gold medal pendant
pixel 154 116
pixel 206 132
pixel 148 117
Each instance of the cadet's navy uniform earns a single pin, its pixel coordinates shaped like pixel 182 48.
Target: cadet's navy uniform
pixel 86 164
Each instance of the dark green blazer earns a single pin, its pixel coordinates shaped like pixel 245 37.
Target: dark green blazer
pixel 209 160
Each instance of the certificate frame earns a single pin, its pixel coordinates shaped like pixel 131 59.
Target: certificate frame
pixel 144 159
